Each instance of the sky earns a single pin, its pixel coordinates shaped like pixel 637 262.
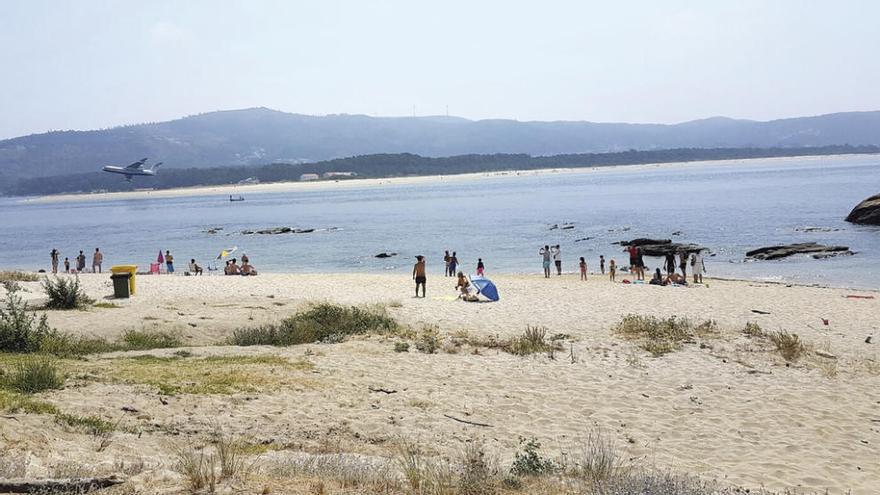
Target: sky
pixel 92 64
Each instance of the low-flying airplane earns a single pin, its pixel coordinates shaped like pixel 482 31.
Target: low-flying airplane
pixel 133 169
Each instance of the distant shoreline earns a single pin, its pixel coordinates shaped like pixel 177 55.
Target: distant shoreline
pixel 291 186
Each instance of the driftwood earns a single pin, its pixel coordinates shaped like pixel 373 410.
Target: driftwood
pixel 74 485
pixel 383 390
pixel 468 422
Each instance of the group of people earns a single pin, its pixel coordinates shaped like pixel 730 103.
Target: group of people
pixel 80 260
pixel 672 260
pixel 419 273
pixel 553 254
pixel 246 269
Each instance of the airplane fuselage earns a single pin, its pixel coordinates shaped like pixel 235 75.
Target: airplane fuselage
pixel 128 171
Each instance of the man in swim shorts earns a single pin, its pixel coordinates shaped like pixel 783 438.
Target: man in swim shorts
pixel 419 274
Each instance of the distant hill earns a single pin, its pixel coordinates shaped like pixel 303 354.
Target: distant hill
pixel 260 136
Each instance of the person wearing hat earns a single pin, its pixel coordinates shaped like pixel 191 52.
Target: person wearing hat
pixel 419 274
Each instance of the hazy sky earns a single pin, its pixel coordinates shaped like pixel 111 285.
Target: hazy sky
pixel 91 64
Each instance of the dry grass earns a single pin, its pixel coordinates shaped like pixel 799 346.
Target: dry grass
pixel 18 276
pixel 660 336
pixel 789 345
pixel 210 375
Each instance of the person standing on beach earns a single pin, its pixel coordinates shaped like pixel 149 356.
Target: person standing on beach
pixel 602 263
pixel 670 263
pixel 698 267
pixel 419 274
pixel 169 261
pixel 583 267
pixel 447 259
pixel 80 262
pixel 66 265
pixel 612 269
pixel 54 255
pixel 97 259
pixel 640 264
pixel 453 264
pixel 480 267
pixel 557 259
pixel 633 258
pixel 683 264
pixel 546 254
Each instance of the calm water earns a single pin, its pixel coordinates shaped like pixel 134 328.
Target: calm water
pixel 728 207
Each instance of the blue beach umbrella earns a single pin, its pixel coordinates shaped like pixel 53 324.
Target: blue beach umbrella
pixel 485 288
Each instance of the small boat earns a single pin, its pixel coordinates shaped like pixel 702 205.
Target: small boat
pixel 236 198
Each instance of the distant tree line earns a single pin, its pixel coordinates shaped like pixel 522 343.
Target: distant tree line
pixel 398 165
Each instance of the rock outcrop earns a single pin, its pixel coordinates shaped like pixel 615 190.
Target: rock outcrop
pixel 661 247
pixel 817 251
pixel 867 212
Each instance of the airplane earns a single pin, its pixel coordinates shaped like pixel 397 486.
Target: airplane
pixel 133 169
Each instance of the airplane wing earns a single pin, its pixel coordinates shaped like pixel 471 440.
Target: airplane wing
pixel 138 164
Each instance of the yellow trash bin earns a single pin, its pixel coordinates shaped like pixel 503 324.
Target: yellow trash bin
pixel 132 269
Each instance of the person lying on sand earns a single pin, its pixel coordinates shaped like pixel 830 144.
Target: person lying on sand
pixel 657 279
pixel 675 278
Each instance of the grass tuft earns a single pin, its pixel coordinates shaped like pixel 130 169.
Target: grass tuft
pixel 18 276
pixel 660 336
pixel 33 375
pixel 789 345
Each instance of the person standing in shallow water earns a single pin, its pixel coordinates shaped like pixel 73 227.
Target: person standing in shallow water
pixel 80 262
pixel 557 259
pixel 169 261
pixel 453 264
pixel 419 274
pixel 602 263
pixel 66 265
pixel 447 259
pixel 480 267
pixel 54 255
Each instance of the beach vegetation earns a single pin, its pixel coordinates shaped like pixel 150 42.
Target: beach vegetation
pixel 597 460
pixel 322 323
pixel 428 340
pixel 92 425
pixel 21 330
pixel 198 468
pixel 401 347
pixel 33 375
pixel 141 340
pixel 106 305
pixel 532 341
pixel 528 460
pixel 15 402
pixel 223 375
pixel 65 293
pixel 660 336
pixel 753 330
pixel 18 276
pixel 789 345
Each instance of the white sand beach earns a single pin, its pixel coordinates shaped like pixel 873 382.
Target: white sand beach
pixel 723 407
pixel 277 187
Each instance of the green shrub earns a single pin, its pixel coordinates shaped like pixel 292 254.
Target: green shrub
pixel 326 323
pixel 21 331
pixel 532 341
pixel 33 375
pixel 529 462
pixel 401 347
pixel 753 330
pixel 92 425
pixel 428 340
pixel 65 293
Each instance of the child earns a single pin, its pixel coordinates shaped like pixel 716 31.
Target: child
pixel 583 265
pixel 602 263
pixel 66 265
pixel 463 285
pixel 612 269
pixel 480 267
